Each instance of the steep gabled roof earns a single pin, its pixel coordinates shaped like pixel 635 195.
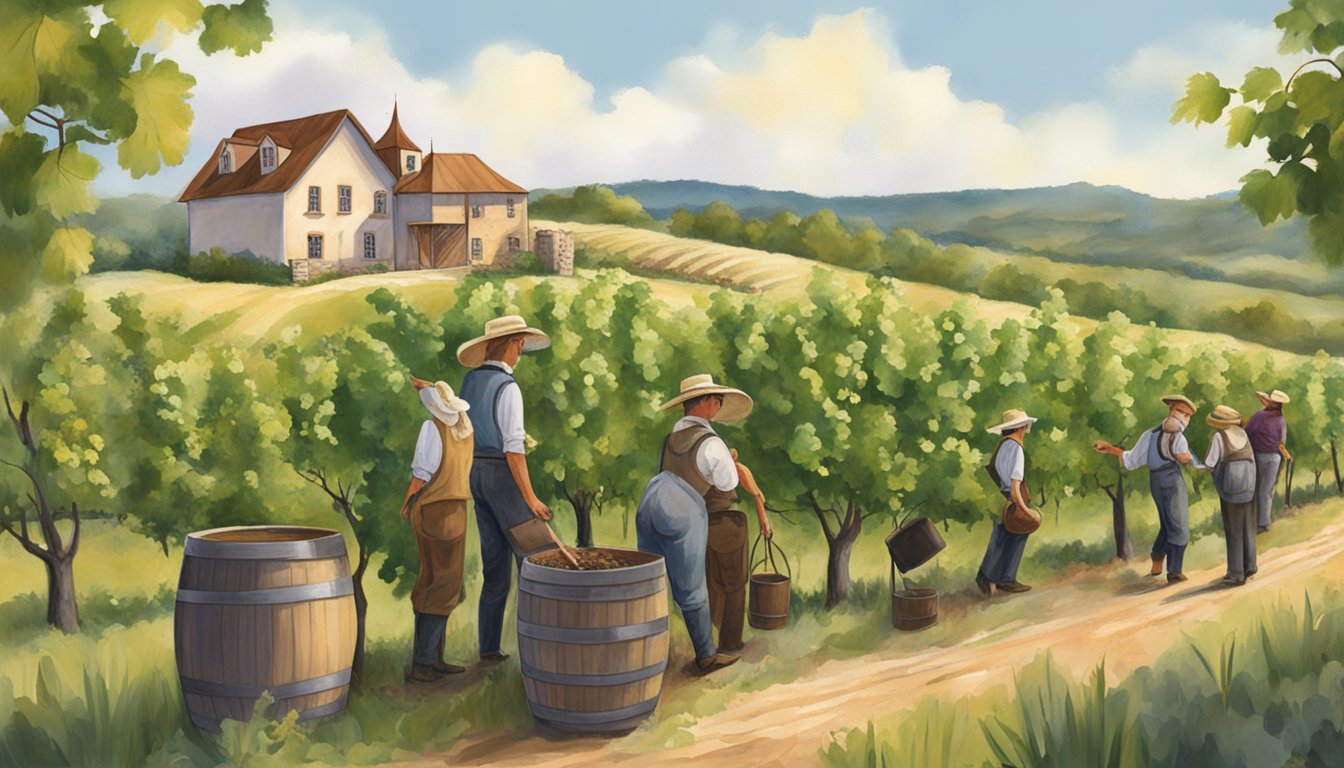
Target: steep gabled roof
pixel 394 137
pixel 305 137
pixel 456 173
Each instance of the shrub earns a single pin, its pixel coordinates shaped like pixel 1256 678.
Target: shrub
pixel 593 205
pixel 216 266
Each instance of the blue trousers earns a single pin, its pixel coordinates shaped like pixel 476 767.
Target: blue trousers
pixel 1003 555
pixel 1173 516
pixel 671 521
pixel 499 506
pixel 429 631
pixel 1266 475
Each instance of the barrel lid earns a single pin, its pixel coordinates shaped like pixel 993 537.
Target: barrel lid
pixel 266 542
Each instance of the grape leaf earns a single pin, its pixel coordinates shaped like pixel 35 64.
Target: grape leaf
pixel 1260 83
pixel 32 45
pixel 141 18
pixel 68 254
pixel 1337 143
pixel 1269 196
pixel 1204 101
pixel 158 91
pixel 20 157
pixel 1241 126
pixel 1297 25
pixel 1327 236
pixel 241 28
pixel 63 183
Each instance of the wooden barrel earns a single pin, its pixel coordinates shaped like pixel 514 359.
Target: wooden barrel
pixel 914 608
pixel 264 609
pixel 593 644
pixel 913 545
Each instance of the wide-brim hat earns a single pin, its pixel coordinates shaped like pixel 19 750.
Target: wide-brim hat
pixel 1222 417
pixel 1171 400
pixel 1012 419
pixel 1277 396
pixel 440 401
pixel 472 353
pixel 736 403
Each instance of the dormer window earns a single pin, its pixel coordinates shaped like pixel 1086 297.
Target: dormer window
pixel 410 163
pixel 267 158
pixel 226 161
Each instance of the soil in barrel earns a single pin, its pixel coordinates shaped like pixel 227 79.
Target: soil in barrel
pixel 589 560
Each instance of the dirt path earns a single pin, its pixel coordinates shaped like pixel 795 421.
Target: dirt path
pixel 1129 622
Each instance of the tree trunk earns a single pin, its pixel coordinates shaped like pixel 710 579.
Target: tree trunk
pixel 839 546
pixel 1124 545
pixel 62 611
pixel 1316 489
pixel 582 502
pixel 361 610
pixel 1334 462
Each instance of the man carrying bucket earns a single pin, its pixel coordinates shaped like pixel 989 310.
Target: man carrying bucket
pixel 509 515
pixel 436 505
pixel 998 569
pixel 686 516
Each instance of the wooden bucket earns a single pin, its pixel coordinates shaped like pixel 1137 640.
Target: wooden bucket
pixel 912 608
pixel 768 593
pixel 915 544
pixel 593 644
pixel 267 608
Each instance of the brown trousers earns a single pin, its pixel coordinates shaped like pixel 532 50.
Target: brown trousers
pixel 726 571
pixel 440 534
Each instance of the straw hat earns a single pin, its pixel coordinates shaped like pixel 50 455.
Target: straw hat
pixel 1012 419
pixel 1171 400
pixel 472 353
pixel 439 400
pixel 1277 396
pixel 736 403
pixel 1223 417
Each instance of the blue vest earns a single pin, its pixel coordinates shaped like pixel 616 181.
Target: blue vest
pixel 481 388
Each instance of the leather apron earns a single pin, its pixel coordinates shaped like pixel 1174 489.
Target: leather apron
pixel 439 520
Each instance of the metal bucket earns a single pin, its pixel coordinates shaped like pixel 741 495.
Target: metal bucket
pixel 914 544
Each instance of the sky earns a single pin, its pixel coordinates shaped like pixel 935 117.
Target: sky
pixel 829 98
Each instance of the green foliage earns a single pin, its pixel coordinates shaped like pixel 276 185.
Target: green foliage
pixel 593 205
pixel 216 266
pixel 79 84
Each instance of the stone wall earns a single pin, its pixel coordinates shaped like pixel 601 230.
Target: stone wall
pixel 303 270
pixel 555 250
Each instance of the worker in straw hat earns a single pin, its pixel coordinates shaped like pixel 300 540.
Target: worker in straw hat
pixel 1232 461
pixel 1269 435
pixel 686 514
pixel 510 518
pixel 1163 449
pixel 436 505
pixel 1003 555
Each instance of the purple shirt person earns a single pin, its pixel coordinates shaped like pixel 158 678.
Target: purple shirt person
pixel 1269 433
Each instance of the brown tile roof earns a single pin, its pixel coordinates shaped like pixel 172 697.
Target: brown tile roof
pixel 395 138
pixel 305 137
pixel 455 173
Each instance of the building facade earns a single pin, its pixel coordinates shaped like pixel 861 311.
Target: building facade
pixel 319 190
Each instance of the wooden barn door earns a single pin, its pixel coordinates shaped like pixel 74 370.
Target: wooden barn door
pixel 441 245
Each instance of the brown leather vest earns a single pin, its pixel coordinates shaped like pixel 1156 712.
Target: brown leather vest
pixel 679 451
pixel 451 481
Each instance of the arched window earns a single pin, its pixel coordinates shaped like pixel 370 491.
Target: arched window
pixel 226 161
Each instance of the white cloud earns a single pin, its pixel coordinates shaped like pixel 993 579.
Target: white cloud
pixel 835 111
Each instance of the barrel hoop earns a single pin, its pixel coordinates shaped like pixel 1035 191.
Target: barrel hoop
pixel 320 591
pixel 252 692
pixel 622 678
pixel 760 615
pixel 592 718
pixel 594 635
pixel 213 723
pixel 323 548
pixel 610 577
pixel 581 594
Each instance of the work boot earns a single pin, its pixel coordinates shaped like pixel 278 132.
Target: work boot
pixel 982 581
pixel 1172 578
pixel 444 668
pixel 494 657
pixel 1012 586
pixel 1157 565
pixel 421 674
pixel 717 661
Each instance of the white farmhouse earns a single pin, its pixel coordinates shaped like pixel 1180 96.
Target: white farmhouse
pixel 319 194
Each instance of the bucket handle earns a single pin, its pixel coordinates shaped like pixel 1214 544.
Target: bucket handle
pixel 770 548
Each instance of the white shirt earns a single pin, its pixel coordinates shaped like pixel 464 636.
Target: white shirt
pixel 509 412
pixel 712 458
pixel 1138 455
pixel 1011 464
pixel 428 452
pixel 1215 453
